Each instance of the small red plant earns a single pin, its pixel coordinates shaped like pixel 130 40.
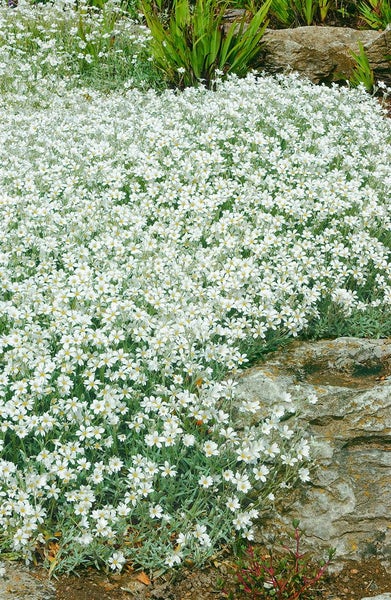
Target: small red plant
pixel 287 575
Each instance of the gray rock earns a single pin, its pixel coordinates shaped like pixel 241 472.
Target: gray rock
pixel 21 583
pixel 323 54
pixel 386 596
pixel 379 55
pixel 348 504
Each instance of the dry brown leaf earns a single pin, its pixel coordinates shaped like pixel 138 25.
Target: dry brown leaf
pixel 143 577
pixel 53 548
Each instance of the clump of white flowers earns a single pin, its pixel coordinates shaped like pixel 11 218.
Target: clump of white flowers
pixel 42 44
pixel 145 239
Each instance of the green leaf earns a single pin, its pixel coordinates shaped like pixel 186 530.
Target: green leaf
pixel 362 72
pixel 194 40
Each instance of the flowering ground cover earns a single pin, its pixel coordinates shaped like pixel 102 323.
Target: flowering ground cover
pixel 150 243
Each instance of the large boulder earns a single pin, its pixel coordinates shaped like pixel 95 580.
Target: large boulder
pixel 348 503
pixel 324 54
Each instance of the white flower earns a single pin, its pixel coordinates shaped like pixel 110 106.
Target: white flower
pixel 260 473
pixel 228 475
pixel 241 521
pixel 211 449
pixel 303 450
pixel 286 397
pixel 247 454
pixel 117 561
pixel 233 503
pixel 168 470
pixel 85 539
pixel 288 459
pixel 155 511
pixel 188 440
pixel 200 534
pixel 173 559
pixel 272 450
pixel 205 481
pixel 248 534
pixel 229 433
pixel 304 474
pixel 286 432
pixel 251 406
pixel 242 482
pixel 154 439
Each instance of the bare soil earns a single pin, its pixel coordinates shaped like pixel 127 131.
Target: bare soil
pixel 354 582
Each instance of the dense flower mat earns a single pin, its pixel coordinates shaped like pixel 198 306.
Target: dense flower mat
pixel 146 240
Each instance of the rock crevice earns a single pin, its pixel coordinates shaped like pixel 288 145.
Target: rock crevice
pixel 348 504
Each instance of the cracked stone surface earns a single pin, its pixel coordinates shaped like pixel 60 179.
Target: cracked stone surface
pixel 21 583
pixel 348 503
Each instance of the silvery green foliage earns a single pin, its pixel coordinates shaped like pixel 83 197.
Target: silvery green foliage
pixel 144 240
